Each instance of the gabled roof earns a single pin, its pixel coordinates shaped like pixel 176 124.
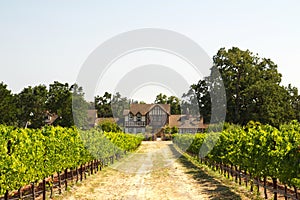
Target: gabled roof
pixel 184 121
pixel 145 108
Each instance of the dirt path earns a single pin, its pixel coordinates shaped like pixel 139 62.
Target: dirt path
pixel 154 172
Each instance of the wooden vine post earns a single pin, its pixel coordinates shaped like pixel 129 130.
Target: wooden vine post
pixel 20 193
pixel 236 174
pixel 44 189
pixel 77 174
pixel 33 190
pixel 296 192
pixel 66 179
pixel 285 192
pixel 59 182
pixel 275 187
pixel 51 186
pixel 265 187
pixel 6 195
pixel 81 173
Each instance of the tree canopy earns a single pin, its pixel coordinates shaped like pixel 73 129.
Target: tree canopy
pixel 172 100
pixel 31 103
pixel 8 110
pixel 31 107
pixel 253 90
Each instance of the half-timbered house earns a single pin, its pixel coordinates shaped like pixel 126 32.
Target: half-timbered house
pixel 139 117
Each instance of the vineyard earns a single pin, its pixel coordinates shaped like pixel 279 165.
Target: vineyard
pixel 38 160
pixel 28 156
pixel 258 152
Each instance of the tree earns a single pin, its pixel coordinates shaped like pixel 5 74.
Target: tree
pixel 31 102
pixel 239 70
pixel 253 90
pixel 270 104
pixel 60 102
pixel 294 100
pixel 79 107
pixel 8 108
pixel 197 100
pixel 103 105
pixel 118 105
pixel 175 105
pixel 161 99
pixel 172 100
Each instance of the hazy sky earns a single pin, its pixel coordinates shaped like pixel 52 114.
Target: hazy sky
pixel 43 41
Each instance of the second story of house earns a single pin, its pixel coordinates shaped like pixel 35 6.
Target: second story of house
pixel 142 115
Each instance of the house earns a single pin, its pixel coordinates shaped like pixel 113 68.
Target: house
pixel 139 117
pixel 187 123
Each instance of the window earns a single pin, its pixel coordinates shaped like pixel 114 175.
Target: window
pixel 130 117
pixel 138 117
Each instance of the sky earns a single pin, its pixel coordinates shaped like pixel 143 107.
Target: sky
pixel 46 41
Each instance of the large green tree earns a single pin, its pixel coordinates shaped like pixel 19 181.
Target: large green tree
pixel 253 90
pixel 197 100
pixel 118 105
pixel 161 99
pixel 103 105
pixel 79 107
pixel 175 105
pixel 31 102
pixel 30 107
pixel 60 102
pixel 110 105
pixel 172 100
pixel 8 110
pixel 294 100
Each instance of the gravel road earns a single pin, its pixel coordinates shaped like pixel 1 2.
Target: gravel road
pixel 155 171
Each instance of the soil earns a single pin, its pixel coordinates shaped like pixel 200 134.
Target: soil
pixel 155 171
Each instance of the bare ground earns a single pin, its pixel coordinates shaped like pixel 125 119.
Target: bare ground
pixel 155 171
